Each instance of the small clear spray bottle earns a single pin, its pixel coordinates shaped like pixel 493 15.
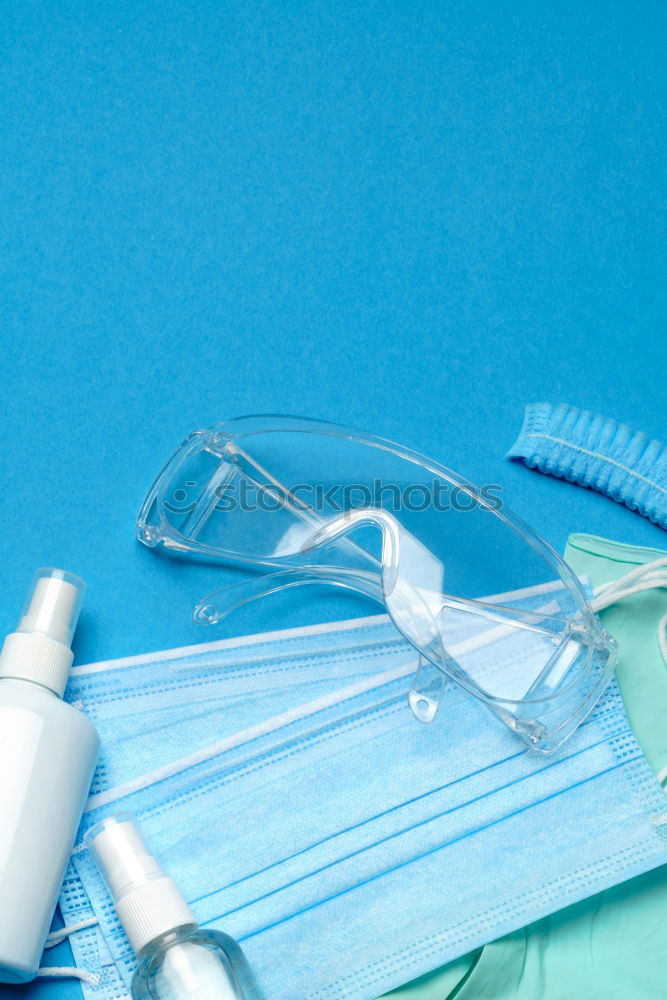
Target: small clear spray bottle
pixel 177 959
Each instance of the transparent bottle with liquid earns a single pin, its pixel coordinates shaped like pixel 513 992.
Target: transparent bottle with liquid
pixel 187 962
pixel 177 958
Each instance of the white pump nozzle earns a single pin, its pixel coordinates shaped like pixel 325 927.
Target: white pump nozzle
pixel 121 855
pixel 147 901
pixel 40 649
pixel 53 605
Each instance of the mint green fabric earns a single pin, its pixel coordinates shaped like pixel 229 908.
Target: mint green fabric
pixel 613 945
pixel 642 676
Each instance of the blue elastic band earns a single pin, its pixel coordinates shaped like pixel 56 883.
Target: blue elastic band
pixel 596 452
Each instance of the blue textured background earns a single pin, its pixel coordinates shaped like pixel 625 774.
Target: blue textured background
pixel 411 217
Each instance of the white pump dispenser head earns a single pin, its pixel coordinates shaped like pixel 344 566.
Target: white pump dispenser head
pixel 147 901
pixel 53 605
pixel 40 648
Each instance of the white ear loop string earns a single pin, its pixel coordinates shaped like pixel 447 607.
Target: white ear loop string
pixel 69 971
pixel 649 576
pixel 645 577
pixel 57 937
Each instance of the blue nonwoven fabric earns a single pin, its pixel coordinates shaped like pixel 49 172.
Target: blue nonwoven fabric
pixel 598 453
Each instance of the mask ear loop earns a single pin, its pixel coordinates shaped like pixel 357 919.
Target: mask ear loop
pixel 57 937
pixel 69 971
pixel 649 576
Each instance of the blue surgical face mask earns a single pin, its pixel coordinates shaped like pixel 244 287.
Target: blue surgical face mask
pixel 150 709
pixel 321 834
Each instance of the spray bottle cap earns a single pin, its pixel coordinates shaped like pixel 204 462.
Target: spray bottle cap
pixel 40 648
pixel 147 901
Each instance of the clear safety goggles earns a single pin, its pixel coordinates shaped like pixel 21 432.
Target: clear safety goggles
pixel 318 503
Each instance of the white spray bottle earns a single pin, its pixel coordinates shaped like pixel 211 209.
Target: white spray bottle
pixel 48 753
pixel 178 960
